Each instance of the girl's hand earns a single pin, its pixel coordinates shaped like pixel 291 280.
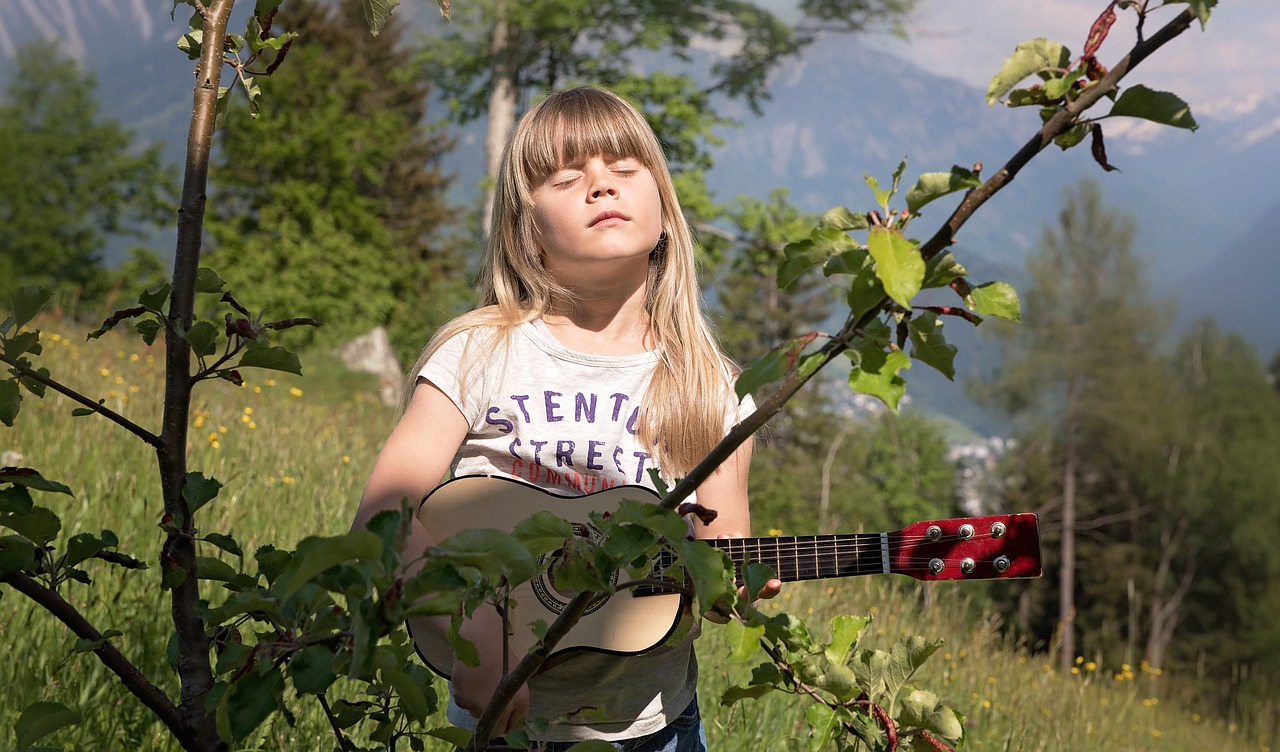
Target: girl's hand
pixel 721 615
pixel 473 686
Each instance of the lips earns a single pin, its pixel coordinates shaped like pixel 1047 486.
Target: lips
pixel 602 216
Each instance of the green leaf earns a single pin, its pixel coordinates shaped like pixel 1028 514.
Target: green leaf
pixel 906 656
pixel 15 499
pixel 250 701
pixel 31 479
pixel 463 649
pixel 929 346
pixel 995 299
pixel 1029 58
pixel 81 547
pixel 840 218
pixel 935 185
pixel 40 719
pixel 777 364
pixel 922 708
pixel 191 43
pixel 743 640
pixel 801 256
pixel 1073 135
pixel 39 525
pixel 203 338
pixel 22 343
pixel 312 670
pixel 209 568
pixel 199 490
pixel 413 701
pixel 942 270
pixel 899 264
pixel 1157 106
pixel 457 737
pixel 543 532
pixel 846 630
pixel 209 282
pixel 708 568
pixel 149 329
pixel 876 374
pixel 24 304
pixel 155 297
pixel 10 401
pixel 882 196
pixel 824 725
pixel 377 13
pixel 257 355
pixel 224 542
pixel 315 554
pixel 491 551
pixel 16 554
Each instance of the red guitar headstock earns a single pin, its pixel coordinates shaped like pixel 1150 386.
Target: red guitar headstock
pixel 967 548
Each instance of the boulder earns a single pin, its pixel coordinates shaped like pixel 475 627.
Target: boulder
pixel 372 353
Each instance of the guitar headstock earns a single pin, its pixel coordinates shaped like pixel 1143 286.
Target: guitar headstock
pixel 968 548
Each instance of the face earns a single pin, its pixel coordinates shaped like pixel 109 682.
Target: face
pixel 598 220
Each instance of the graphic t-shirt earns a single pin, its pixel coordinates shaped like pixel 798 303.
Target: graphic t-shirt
pixel 565 421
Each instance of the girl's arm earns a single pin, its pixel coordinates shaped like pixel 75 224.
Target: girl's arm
pixel 726 492
pixel 414 461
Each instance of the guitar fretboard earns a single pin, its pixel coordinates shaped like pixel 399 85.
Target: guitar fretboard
pixel 801 557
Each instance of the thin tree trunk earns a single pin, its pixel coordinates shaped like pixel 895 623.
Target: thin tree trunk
pixel 1067 570
pixel 194 669
pixel 502 108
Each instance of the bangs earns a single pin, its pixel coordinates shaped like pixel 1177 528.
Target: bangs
pixel 574 125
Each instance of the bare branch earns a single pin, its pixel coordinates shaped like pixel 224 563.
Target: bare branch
pixel 130 676
pixel 77 397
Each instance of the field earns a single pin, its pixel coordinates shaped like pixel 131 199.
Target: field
pixel 293 454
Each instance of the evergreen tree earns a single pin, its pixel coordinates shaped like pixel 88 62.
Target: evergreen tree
pixel 1078 374
pixel 70 180
pixel 331 203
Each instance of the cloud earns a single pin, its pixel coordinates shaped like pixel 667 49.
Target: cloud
pixel 1217 71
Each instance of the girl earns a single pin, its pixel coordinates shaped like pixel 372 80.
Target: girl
pixel 588 363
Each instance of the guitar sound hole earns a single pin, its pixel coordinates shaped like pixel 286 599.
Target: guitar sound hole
pixel 553 597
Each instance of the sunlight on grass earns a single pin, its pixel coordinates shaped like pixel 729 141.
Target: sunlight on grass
pixel 293 455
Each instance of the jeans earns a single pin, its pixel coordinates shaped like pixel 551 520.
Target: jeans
pixel 684 734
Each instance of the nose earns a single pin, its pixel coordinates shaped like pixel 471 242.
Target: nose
pixel 601 183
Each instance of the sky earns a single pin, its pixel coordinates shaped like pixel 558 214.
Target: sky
pixel 1225 72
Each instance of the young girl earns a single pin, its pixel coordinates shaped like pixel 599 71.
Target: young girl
pixel 588 363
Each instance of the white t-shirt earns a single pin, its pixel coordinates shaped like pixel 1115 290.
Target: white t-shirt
pixel 565 421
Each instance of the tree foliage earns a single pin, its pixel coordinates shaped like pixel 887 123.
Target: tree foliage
pixel 331 202
pixel 71 180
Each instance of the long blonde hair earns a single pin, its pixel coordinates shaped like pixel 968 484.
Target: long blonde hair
pixel 684 415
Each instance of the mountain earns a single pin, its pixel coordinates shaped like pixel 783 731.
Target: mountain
pixel 1205 209
pixel 1237 286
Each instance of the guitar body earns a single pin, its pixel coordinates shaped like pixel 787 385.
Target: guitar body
pixel 626 623
pixel 623 624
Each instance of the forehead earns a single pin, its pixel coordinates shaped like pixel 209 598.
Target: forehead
pixel 574 131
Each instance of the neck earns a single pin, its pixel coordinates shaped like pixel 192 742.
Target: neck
pixel 603 320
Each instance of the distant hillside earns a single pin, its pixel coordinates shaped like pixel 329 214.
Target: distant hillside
pixel 1237 285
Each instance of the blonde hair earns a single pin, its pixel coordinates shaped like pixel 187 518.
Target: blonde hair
pixel 684 415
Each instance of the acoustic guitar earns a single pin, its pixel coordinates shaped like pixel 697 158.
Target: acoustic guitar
pixel 638 620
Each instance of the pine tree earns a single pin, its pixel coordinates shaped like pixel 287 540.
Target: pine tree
pixel 331 203
pixel 70 180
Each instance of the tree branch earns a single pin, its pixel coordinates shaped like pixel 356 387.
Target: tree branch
pixel 130 676
pixel 75 396
pixel 1060 123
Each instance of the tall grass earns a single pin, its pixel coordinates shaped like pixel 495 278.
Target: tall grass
pixel 293 454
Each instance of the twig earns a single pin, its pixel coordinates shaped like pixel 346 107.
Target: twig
pixel 130 676
pixel 333 722
pixel 75 396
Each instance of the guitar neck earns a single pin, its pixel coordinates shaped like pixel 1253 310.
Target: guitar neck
pixel 812 557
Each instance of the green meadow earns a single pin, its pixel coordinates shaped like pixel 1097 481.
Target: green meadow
pixel 293 454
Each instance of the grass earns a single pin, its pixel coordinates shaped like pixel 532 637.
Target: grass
pixel 293 454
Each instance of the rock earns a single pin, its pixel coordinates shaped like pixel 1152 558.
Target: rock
pixel 372 353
